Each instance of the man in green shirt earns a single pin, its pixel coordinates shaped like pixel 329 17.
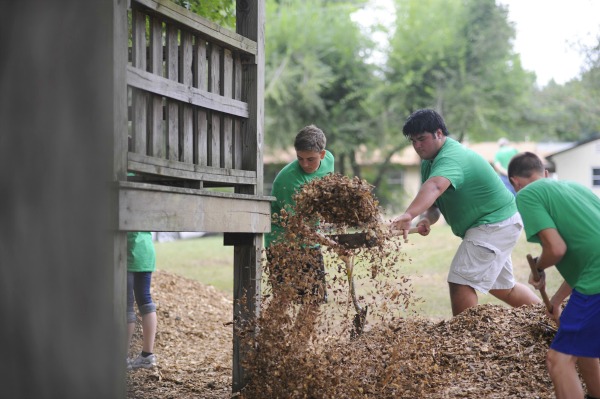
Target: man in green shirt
pixel 313 161
pixel 564 217
pixel 463 187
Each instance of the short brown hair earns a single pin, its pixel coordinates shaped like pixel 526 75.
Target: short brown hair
pixel 524 165
pixel 310 138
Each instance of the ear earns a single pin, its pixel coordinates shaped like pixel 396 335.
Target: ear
pixel 322 154
pixel 546 174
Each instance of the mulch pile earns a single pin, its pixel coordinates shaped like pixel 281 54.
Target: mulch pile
pixel 304 348
pixel 490 351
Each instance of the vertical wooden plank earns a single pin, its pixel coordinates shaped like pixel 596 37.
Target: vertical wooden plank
pixel 251 24
pixel 200 121
pixel 120 43
pixel 237 122
pixel 139 98
pixel 172 72
pixel 227 128
pixel 156 135
pixel 186 138
pixel 246 287
pixel 62 325
pixel 250 20
pixel 214 86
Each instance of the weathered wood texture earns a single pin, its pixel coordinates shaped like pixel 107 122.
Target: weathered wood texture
pixel 249 137
pixel 62 302
pixel 196 122
pixel 185 79
pixel 150 207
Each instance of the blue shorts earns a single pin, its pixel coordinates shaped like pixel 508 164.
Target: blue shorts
pixel 579 330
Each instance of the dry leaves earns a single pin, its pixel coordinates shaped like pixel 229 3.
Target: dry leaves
pixel 304 349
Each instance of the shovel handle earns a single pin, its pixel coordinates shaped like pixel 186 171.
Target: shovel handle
pixel 412 230
pixel 536 277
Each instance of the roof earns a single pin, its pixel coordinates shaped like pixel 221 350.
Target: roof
pixel 577 144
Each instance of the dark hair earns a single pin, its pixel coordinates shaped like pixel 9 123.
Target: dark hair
pixel 310 138
pixel 524 165
pixel 424 120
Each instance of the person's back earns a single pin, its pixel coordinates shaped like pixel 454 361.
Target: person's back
pixel 477 196
pixel 574 211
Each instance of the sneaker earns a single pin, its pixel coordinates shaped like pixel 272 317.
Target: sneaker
pixel 129 361
pixel 144 362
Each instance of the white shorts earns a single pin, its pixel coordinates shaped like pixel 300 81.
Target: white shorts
pixel 483 260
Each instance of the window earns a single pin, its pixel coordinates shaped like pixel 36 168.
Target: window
pixel 595 177
pixel 396 177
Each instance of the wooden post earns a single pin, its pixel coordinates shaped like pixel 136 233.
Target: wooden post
pixel 61 295
pixel 247 259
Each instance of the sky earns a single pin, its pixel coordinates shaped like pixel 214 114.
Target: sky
pixel 548 33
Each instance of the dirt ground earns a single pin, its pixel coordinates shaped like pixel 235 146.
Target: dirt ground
pixel 487 352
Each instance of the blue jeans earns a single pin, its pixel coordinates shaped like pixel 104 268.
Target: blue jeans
pixel 138 286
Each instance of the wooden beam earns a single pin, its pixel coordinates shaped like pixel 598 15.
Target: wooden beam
pixel 200 25
pixel 147 207
pixel 141 79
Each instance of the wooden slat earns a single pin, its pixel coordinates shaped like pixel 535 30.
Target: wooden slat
pixel 200 26
pixel 186 137
pixel 172 73
pixel 147 207
pixel 177 91
pixel 156 135
pixel 139 99
pixel 237 130
pixel 164 167
pixel 227 128
pixel 201 123
pixel 214 86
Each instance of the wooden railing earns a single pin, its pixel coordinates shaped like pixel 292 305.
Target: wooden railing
pixel 186 100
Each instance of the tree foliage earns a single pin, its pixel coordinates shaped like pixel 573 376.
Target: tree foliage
pixel 221 12
pixel 456 56
pixel 316 72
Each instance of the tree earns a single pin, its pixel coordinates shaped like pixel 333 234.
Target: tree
pixel 456 56
pixel 221 12
pixel 316 72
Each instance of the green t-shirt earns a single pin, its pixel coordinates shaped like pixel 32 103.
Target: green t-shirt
pixel 476 195
pixel 574 211
pixel 504 155
pixel 287 183
pixel 141 256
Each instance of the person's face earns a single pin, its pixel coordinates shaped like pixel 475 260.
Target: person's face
pixel 428 145
pixel 517 182
pixel 310 160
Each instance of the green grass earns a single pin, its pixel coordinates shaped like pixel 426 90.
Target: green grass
pixel 426 263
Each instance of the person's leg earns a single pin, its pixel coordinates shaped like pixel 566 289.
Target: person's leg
pixel 462 297
pixel 589 368
pixel 564 375
pixel 130 309
pixel 142 281
pixel 516 296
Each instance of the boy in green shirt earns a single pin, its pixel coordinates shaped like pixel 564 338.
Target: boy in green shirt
pixel 313 161
pixel 564 217
pixel 463 187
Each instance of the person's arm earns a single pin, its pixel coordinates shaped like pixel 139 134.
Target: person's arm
pixel 553 248
pixel 423 202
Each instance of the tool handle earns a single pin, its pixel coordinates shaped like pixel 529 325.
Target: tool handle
pixel 536 277
pixel 412 230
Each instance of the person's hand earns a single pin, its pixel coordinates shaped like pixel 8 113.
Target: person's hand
pixel 556 311
pixel 539 284
pixel 402 223
pixel 424 226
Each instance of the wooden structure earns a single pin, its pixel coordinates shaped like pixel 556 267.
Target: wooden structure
pixel 195 101
pixel 91 91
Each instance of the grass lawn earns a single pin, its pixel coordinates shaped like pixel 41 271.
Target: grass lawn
pixel 426 262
